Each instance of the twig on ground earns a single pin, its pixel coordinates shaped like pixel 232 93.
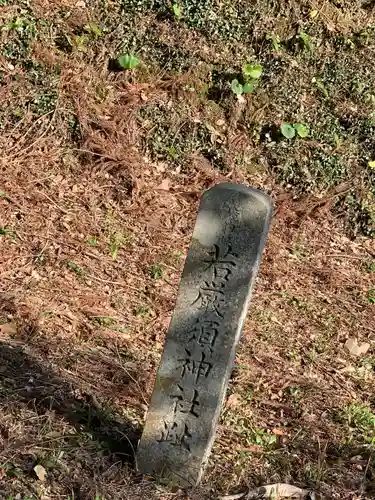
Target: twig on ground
pixel 54 203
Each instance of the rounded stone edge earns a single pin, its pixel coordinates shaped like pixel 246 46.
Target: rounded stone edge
pixel 261 196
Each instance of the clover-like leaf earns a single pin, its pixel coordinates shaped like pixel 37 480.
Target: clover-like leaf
pixel 249 87
pixel 252 70
pixel 237 87
pixel 287 130
pixel 128 61
pixel 301 129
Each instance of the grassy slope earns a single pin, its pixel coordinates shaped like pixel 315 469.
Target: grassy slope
pixel 101 173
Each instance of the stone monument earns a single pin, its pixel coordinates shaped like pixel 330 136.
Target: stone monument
pixel 215 290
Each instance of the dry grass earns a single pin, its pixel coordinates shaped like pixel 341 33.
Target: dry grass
pixel 93 235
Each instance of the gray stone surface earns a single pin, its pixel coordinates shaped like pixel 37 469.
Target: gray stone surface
pixel 215 289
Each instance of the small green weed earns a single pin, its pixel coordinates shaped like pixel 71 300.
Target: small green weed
pixel 263 438
pixel 4 231
pixel 320 86
pixel 243 426
pixel 371 295
pixel 173 153
pixel 275 40
pixel 7 231
pixel 11 497
pixel 293 356
pixel 80 43
pixel 73 266
pixel 105 321
pixel 295 393
pixel 156 272
pixel 289 131
pixel 250 76
pixel 44 102
pixel 315 473
pixel 92 241
pixel 21 31
pixel 22 25
pixel 3 196
pixel 360 421
pixel 47 314
pixel 128 61
pixel 300 250
pixel 306 41
pixel 177 11
pixel 116 241
pixel 142 311
pixel 94 30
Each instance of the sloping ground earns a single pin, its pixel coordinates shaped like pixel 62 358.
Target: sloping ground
pixel 101 175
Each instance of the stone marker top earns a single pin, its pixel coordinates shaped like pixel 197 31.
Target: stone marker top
pixel 219 273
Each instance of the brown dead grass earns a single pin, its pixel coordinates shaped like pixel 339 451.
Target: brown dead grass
pixel 57 198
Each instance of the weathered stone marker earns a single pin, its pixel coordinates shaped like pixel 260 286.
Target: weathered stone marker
pixel 214 294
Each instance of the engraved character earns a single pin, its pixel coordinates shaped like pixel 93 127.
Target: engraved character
pixel 186 401
pixel 205 333
pixel 200 368
pixel 176 435
pixel 211 297
pixel 222 262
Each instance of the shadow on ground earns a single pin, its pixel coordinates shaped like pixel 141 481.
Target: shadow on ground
pixel 50 420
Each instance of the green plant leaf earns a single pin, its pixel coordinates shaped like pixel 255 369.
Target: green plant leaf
pixel 252 70
pixel 237 87
pixel 301 129
pixel 287 130
pixel 276 43
pixel 321 87
pixel 92 241
pixel 93 29
pixel 80 43
pixel 72 265
pixel 128 61
pixel 249 87
pixel 4 196
pixel 115 243
pixel 371 164
pixel 176 10
pixel 156 272
pixel 338 141
pixel 306 40
pixel 272 439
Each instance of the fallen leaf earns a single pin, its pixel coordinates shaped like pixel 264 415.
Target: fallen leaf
pixel 255 448
pixel 36 275
pixel 281 490
pixel 165 185
pixel 278 432
pixel 355 348
pixel 233 401
pixel 41 472
pixel 8 329
pixel 274 492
